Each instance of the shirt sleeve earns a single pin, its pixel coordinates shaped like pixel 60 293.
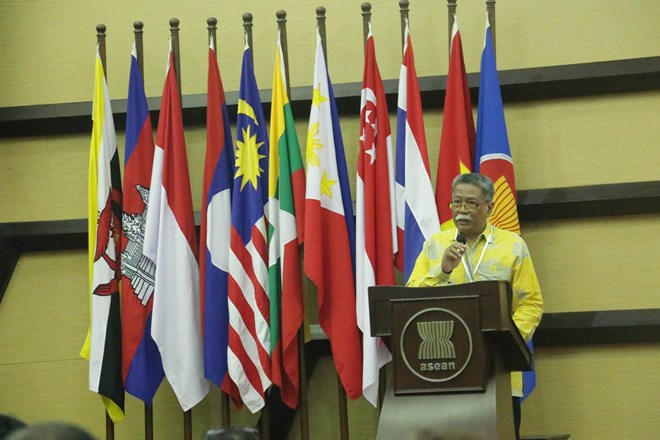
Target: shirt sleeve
pixel 428 271
pixel 527 302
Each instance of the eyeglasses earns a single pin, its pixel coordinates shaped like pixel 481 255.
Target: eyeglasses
pixel 470 205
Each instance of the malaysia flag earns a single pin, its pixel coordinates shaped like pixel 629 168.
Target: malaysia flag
pixel 248 357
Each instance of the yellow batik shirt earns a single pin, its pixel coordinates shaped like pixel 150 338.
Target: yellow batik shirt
pixel 498 255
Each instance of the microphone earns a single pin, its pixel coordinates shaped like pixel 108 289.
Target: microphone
pixel 468 267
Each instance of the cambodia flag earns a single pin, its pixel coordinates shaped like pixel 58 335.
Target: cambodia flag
pixel 142 367
pixel 416 214
pixel 216 225
pixel 376 225
pixel 171 243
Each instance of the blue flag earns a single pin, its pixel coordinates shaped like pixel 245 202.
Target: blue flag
pixel 249 304
pixel 216 226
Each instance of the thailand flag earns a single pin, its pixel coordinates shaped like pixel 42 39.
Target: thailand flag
pixel 171 243
pixel 143 368
pixel 216 225
pixel 416 214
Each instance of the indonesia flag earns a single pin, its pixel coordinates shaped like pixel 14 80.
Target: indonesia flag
pixel 330 230
pixel 170 242
pixel 493 152
pixel 376 225
pixel 143 368
pixel 416 214
pixel 248 357
pixel 457 139
pixel 216 226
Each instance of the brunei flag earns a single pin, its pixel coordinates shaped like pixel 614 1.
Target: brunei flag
pixel 493 155
pixel 286 204
pixel 103 345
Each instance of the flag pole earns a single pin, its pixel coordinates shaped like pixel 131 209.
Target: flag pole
pixel 174 32
pixel 320 21
pixel 139 52
pixel 302 375
pixel 100 39
pixel 403 10
pixel 341 392
pixel 366 21
pixel 490 8
pixel 139 47
pixel 212 27
pixel 451 16
pixel 247 26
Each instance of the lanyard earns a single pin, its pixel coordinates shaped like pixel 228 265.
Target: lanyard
pixel 466 263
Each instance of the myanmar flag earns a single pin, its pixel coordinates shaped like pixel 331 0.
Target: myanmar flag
pixel 286 201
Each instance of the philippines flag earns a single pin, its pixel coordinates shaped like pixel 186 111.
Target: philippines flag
pixel 330 230
pixel 171 243
pixel 248 357
pixel 143 368
pixel 216 226
pixel 416 214
pixel 493 152
pixel 457 139
pixel 376 225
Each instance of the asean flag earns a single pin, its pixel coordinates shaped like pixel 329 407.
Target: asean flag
pixel 493 153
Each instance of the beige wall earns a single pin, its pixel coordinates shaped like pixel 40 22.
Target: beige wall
pixel 605 392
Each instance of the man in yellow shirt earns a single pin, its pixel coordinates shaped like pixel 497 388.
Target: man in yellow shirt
pixel 489 253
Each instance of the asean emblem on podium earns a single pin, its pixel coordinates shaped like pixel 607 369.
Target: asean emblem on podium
pixel 438 346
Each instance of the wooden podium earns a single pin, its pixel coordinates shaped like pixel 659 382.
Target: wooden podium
pixel 453 348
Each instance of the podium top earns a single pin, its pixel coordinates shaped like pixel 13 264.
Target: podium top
pixel 495 319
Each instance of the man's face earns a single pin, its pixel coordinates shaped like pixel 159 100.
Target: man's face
pixel 469 209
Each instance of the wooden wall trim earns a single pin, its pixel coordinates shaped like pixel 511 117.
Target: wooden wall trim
pixel 533 205
pixel 605 77
pixel 599 327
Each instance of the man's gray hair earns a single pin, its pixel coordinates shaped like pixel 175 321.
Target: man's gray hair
pixel 479 180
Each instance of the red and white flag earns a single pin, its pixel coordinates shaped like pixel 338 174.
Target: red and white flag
pixel 171 243
pixel 376 225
